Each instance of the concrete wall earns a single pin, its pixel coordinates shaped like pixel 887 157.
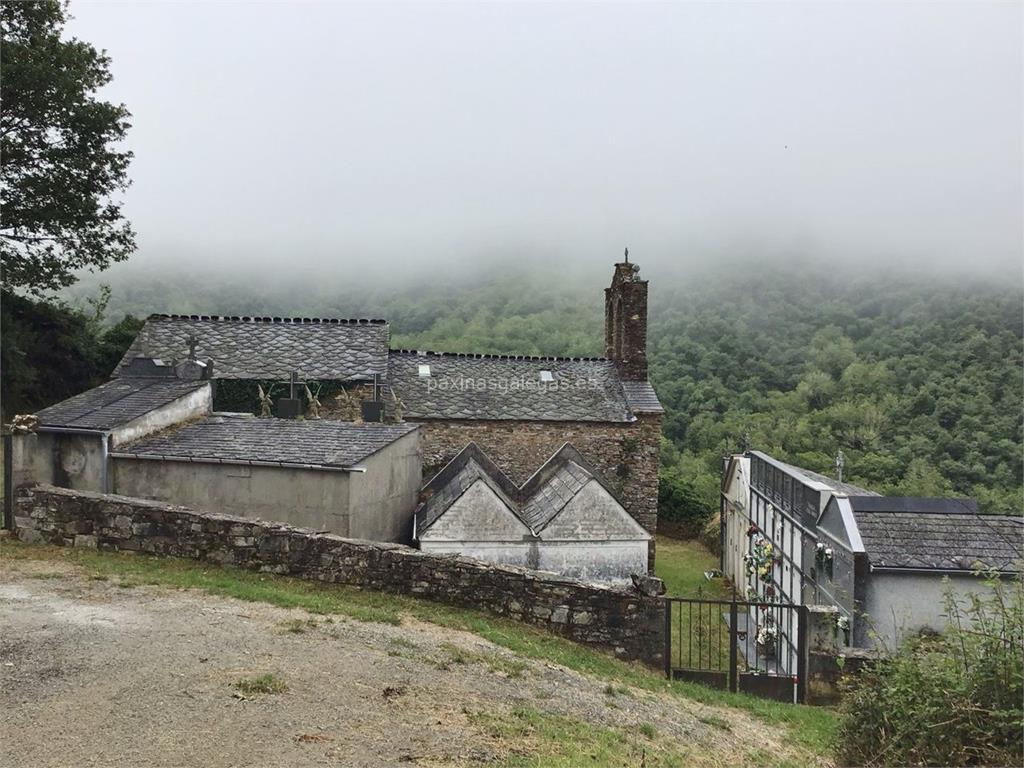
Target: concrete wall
pixel 737 522
pixel 521 554
pixel 307 497
pixel 32 458
pixel 479 525
pixel 382 499
pixel 65 460
pixel 610 562
pixel 477 515
pixel 190 406
pixel 628 624
pixel 592 538
pixel 900 605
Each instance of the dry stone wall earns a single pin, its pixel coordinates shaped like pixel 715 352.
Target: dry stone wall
pixel 623 621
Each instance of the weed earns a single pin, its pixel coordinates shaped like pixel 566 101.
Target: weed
pixel 298 626
pixel 265 683
pixel 715 722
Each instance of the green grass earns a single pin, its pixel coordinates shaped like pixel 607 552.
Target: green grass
pixel 552 741
pixel 266 683
pixel 810 727
pixel 700 638
pixel 681 565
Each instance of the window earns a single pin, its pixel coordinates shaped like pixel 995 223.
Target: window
pixel 424 370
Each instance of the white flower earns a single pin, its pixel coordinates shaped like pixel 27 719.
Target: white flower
pixel 843 622
pixel 828 552
pixel 767 634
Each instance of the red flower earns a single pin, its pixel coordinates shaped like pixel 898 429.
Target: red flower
pixel 751 530
pixel 769 591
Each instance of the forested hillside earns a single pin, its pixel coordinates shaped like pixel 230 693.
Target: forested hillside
pixel 917 379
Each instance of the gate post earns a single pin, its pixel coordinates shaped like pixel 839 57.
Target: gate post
pixel 8 500
pixel 734 678
pixel 668 637
pixel 801 654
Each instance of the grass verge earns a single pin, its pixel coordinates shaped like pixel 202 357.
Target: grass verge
pixel 542 739
pixel 810 727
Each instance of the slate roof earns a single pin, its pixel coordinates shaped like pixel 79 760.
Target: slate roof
pixel 507 387
pixel 536 502
pixel 561 478
pixel 937 534
pixel 268 347
pixel 839 487
pixel 116 403
pixel 641 397
pixel 243 438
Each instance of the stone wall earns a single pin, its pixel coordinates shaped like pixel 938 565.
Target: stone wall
pixel 823 666
pixel 626 455
pixel 622 621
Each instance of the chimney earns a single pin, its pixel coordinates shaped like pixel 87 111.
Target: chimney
pixel 625 321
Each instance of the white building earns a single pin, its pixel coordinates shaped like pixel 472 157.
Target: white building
pixel 796 537
pixel 562 519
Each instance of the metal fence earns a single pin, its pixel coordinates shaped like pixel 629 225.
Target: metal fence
pixel 756 647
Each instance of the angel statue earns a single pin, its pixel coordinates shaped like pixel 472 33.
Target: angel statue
pixel 399 405
pixel 265 401
pixel 313 400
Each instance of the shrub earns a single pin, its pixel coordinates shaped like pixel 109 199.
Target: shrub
pixel 949 699
pixel 680 503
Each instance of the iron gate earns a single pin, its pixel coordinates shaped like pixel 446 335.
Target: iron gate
pixel 754 647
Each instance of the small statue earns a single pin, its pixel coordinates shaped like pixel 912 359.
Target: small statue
pixel 265 401
pixel 348 407
pixel 313 400
pixel 399 405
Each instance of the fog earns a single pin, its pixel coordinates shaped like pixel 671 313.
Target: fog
pixel 339 138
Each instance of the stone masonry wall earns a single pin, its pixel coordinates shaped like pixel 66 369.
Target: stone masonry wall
pixel 627 623
pixel 626 455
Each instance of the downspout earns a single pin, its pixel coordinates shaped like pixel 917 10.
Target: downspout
pixel 105 465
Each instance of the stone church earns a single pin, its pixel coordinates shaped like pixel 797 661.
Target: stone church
pixel 519 410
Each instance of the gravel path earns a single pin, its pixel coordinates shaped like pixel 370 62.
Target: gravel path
pixel 92 674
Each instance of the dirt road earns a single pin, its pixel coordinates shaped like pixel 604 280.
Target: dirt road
pixel 93 674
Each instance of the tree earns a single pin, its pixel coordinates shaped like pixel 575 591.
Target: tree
pixel 58 164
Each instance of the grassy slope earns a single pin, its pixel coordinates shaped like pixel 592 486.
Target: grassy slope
pixel 701 639
pixel 809 727
pixel 681 564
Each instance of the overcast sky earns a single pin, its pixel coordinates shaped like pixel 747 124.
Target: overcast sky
pixel 393 134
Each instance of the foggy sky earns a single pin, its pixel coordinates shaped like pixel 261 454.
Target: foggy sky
pixel 401 135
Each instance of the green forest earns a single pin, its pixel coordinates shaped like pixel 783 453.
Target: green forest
pixel 916 379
